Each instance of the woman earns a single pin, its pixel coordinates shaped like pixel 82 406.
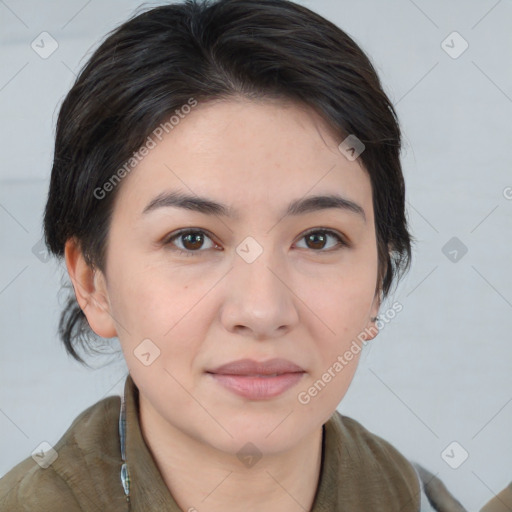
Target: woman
pixel 228 199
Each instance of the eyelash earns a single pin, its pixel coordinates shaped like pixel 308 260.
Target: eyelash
pixel 167 242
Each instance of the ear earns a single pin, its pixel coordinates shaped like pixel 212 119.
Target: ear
pixel 90 290
pixel 371 329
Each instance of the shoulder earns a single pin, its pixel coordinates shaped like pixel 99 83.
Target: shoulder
pixel 27 487
pixel 84 474
pixel 369 449
pixel 385 470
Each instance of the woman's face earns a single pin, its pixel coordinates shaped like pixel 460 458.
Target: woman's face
pixel 250 282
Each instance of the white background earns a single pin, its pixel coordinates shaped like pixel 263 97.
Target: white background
pixel 440 371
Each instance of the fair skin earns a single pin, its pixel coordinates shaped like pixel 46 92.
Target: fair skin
pixel 302 299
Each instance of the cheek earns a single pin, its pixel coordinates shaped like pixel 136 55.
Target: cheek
pixel 150 305
pixel 342 298
pixel 140 302
pixel 138 305
pixel 341 304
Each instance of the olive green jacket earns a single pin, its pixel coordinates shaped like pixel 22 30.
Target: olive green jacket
pixel 360 471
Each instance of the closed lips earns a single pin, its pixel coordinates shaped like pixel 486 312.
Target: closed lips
pixel 252 368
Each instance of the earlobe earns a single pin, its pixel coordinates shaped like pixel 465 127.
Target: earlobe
pixel 371 329
pixel 90 290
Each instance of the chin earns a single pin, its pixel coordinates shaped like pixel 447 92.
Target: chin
pixel 271 432
pixel 256 443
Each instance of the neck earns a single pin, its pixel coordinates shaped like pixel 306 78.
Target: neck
pixel 200 477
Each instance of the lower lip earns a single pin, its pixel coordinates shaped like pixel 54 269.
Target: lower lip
pixel 258 388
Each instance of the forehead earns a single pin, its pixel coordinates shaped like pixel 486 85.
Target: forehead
pixel 247 154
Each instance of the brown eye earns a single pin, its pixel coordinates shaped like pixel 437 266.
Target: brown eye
pixel 188 242
pixel 192 240
pixel 317 240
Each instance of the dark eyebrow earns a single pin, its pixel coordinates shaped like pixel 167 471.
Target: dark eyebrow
pixel 210 207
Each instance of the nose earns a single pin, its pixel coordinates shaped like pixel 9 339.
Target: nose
pixel 259 300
